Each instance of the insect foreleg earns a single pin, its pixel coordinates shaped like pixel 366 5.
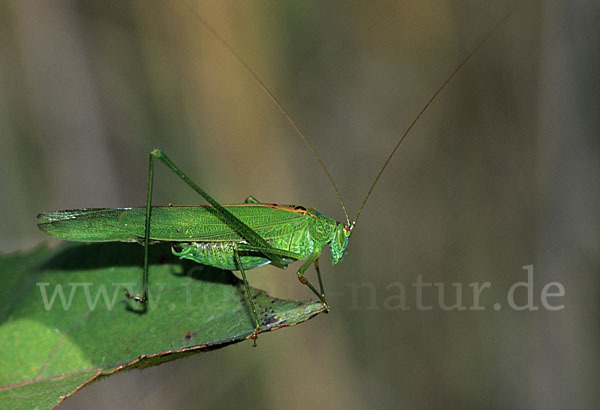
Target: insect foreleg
pixel 314 258
pixel 321 289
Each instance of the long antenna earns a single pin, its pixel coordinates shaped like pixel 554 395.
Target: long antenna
pixel 280 107
pixel 276 102
pixel 425 107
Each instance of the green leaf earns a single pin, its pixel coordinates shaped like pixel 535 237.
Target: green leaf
pixel 51 347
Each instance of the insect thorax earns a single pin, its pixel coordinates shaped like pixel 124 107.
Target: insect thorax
pixel 325 230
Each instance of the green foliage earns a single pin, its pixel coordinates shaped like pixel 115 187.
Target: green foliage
pixel 51 347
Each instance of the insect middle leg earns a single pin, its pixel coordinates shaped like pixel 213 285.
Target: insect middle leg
pixel 313 259
pixel 238 262
pixel 251 248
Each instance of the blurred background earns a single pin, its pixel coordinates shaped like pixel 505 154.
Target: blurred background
pixel 501 172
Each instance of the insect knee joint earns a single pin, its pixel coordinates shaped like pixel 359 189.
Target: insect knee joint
pixel 301 278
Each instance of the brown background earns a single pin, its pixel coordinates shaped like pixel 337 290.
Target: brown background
pixel 502 172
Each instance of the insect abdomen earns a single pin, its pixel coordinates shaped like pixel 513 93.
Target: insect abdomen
pixel 217 254
pixel 220 253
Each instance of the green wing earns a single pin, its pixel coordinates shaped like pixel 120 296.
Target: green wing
pixel 168 223
pixel 87 225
